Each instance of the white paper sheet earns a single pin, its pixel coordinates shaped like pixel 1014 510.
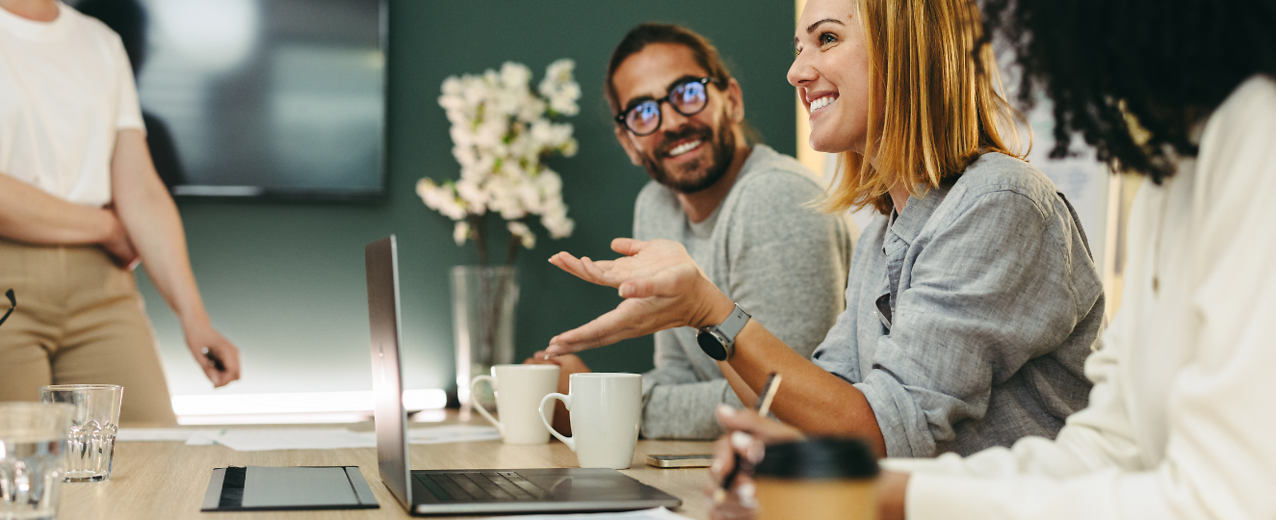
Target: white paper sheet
pixel 658 513
pixel 265 439
pixel 161 434
pixel 452 433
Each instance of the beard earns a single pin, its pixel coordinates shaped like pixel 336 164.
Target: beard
pixel 696 175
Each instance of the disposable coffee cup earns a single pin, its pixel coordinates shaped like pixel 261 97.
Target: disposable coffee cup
pixel 817 479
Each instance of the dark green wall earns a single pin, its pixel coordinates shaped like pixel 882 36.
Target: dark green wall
pixel 285 281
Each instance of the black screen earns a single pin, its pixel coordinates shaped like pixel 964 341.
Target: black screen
pixel 259 97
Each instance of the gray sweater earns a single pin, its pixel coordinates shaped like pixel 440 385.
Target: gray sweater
pixel 783 261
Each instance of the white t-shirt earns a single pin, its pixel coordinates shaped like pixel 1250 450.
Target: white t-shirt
pixel 66 88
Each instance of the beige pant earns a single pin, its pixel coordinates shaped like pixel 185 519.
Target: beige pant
pixel 79 319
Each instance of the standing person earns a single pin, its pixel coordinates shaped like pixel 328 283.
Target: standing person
pixel 80 204
pixel 970 309
pixel 1179 423
pixel 739 210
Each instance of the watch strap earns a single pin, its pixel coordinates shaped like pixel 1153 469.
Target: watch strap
pixel 734 323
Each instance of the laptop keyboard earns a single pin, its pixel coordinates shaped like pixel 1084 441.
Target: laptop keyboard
pixel 478 486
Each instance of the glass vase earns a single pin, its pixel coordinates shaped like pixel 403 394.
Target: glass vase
pixel 483 301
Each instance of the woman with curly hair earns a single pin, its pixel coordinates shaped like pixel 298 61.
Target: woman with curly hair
pixel 1179 422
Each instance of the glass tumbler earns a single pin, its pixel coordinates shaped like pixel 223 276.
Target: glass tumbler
pixel 91 439
pixel 32 445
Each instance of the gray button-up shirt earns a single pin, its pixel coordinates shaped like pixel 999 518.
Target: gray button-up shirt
pixel 970 314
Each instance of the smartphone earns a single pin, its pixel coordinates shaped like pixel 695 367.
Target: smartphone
pixel 680 461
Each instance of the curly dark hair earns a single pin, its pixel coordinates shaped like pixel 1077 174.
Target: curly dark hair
pixel 1133 77
pixel 640 37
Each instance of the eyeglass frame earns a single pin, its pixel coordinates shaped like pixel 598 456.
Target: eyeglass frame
pixel 13 304
pixel 660 113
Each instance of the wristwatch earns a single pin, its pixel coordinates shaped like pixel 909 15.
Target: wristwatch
pixel 718 341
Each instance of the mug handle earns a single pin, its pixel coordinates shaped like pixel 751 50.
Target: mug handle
pixel 479 406
pixel 567 401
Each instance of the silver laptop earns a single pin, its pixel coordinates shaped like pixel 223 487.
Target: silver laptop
pixel 476 491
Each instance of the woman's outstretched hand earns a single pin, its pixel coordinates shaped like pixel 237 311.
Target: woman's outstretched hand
pixel 662 286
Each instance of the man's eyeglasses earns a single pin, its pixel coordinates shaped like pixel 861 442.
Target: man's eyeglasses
pixel 13 304
pixel 688 98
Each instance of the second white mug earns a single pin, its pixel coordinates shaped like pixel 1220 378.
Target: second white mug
pixel 605 411
pixel 519 389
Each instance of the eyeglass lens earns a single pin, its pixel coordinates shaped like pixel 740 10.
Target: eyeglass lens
pixel 688 98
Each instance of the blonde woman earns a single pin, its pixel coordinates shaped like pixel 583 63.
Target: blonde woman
pixel 971 303
pixel 1179 423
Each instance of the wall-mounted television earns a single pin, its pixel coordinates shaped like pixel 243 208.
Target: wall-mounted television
pixel 259 98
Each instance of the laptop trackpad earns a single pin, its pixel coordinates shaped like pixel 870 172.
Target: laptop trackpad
pixel 594 485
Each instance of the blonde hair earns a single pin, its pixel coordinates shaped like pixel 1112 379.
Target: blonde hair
pixel 941 106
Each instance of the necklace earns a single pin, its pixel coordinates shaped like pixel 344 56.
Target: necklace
pixel 1159 239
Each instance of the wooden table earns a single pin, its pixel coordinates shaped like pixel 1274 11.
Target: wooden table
pixel 167 480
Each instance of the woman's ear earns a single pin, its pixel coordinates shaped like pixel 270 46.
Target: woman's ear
pixel 735 98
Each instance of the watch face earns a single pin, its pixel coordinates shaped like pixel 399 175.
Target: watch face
pixel 712 345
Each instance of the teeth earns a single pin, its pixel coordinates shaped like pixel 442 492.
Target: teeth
pixel 684 148
pixel 822 102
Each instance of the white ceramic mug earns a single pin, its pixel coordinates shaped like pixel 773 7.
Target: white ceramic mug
pixel 518 388
pixel 605 412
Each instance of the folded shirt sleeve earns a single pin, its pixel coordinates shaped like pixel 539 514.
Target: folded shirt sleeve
pixel 129 116
pixel 990 291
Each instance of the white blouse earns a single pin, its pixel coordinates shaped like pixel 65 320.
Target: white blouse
pixel 1182 418
pixel 66 88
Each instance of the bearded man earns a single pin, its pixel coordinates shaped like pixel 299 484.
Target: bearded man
pixel 742 211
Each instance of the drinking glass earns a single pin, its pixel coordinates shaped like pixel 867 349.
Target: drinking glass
pixel 32 443
pixel 91 439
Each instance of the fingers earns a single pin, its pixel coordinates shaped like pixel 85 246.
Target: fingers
pixel 723 460
pixel 662 284
pixel 739 504
pixel 230 360
pixel 616 325
pixel 584 268
pixel 565 261
pixel 749 422
pixel 627 246
pixel 538 358
pixel 747 447
pixel 220 349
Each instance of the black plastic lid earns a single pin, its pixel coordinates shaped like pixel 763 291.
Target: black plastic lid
pixel 819 459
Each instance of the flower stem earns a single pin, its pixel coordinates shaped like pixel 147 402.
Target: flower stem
pixel 515 242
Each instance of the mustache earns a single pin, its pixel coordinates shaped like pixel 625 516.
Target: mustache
pixel 703 133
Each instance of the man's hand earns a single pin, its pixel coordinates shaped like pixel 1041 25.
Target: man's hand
pixel 117 242
pixel 204 336
pixel 567 365
pixel 662 286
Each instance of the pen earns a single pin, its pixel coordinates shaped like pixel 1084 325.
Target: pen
pixel 217 363
pixel 762 406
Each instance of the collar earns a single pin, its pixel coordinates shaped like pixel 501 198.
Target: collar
pixel 32 30
pixel 907 224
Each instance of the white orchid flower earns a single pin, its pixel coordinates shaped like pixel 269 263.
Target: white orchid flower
pixel 461 232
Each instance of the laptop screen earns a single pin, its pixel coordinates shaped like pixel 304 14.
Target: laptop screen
pixel 387 387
